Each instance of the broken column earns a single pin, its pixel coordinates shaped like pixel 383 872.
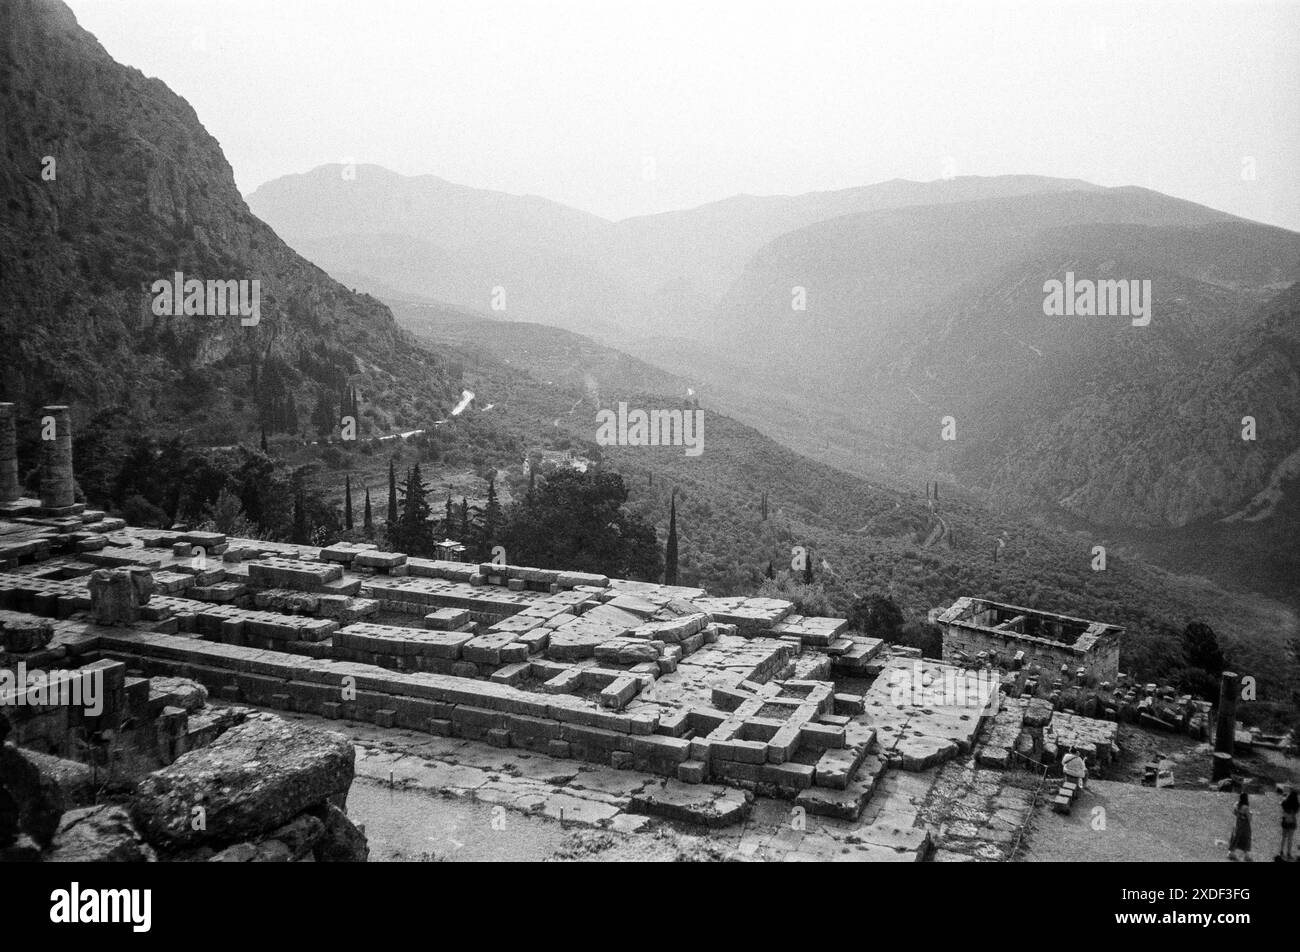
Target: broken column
pixel 9 490
pixel 1225 731
pixel 117 594
pixel 57 484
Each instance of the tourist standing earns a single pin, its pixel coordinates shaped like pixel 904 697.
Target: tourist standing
pixel 1290 807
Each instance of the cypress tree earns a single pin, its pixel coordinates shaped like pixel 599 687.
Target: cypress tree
pixel 301 531
pixel 368 522
pixel 670 553
pixel 491 516
pixel 415 535
pixel 394 529
pixel 347 502
pixel 807 569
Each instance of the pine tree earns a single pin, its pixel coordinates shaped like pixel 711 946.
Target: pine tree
pixel 415 536
pixel 670 552
pixel 290 414
pixel 392 527
pixel 347 503
pixel 1201 648
pixel 368 521
pixel 491 516
pixel 301 530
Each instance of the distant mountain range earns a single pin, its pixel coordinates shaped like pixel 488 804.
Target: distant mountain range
pixel 425 236
pixel 920 301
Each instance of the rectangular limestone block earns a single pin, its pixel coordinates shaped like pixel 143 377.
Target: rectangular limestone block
pixel 617 694
pixel 447 619
pixel 511 673
pixel 566 682
pixel 293 573
pixel 740 751
pixel 378 560
pixel 692 771
pixel 821 736
pixel 849 704
pixel 789 776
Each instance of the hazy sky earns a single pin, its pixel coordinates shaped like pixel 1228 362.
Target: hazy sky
pixel 625 107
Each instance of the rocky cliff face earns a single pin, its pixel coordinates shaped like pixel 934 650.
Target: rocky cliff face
pixel 109 182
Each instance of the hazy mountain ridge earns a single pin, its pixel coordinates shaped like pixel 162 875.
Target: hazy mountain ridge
pixel 944 315
pixel 559 265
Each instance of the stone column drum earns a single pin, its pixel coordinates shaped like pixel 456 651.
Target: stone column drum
pixel 57 484
pixel 9 489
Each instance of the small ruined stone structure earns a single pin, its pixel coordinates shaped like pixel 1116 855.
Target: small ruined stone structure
pixel 1009 636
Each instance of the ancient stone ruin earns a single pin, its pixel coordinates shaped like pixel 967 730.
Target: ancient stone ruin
pixel 201 639
pixel 1007 636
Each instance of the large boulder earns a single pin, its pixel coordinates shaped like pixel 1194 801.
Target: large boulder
pixel 98 834
pixel 249 781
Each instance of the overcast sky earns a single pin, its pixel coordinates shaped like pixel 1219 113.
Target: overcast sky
pixel 579 101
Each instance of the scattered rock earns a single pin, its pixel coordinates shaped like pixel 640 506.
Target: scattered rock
pixel 35 798
pixel 98 834
pixel 342 841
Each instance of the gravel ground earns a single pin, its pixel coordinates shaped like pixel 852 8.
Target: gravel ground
pixel 1114 822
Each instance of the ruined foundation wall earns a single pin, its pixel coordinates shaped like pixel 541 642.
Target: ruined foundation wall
pixel 962 643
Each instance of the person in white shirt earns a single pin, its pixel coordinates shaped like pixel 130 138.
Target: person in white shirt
pixel 1075 768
